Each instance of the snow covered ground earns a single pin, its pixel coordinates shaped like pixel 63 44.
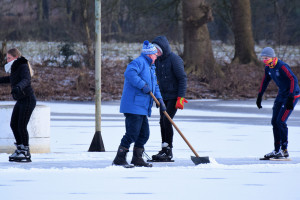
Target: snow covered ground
pixel 39 52
pixel 234 134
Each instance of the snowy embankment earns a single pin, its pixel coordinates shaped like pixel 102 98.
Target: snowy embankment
pixel 234 134
pixel 50 52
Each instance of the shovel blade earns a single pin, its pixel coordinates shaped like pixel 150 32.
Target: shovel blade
pixel 200 160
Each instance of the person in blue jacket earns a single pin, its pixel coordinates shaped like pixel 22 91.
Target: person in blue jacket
pixel 172 81
pixel 287 82
pixel 136 104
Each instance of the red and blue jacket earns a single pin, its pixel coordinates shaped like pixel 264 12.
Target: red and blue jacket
pixel 284 78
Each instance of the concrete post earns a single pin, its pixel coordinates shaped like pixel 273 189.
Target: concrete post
pixel 38 129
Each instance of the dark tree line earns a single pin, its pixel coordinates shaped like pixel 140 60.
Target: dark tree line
pixel 131 21
pixel 275 21
pixel 193 23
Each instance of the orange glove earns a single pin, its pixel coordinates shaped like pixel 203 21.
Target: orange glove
pixel 180 102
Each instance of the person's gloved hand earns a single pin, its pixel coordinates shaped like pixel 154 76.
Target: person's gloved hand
pixel 16 92
pixel 180 102
pixel 146 89
pixel 290 102
pixel 258 101
pixel 162 105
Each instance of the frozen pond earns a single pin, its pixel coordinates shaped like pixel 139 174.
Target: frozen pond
pixel 234 134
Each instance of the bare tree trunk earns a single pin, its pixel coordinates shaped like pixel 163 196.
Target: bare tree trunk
pixel 115 16
pixel 45 5
pixel 39 13
pixel 244 43
pixel 43 19
pixel 42 10
pixel 69 10
pixel 88 40
pixel 198 54
pixel 111 25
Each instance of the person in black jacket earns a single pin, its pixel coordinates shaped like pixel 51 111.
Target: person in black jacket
pixel 20 80
pixel 172 82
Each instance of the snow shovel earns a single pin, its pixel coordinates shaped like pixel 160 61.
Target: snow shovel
pixel 196 159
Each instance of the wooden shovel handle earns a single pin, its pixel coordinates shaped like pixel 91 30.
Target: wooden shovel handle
pixel 172 122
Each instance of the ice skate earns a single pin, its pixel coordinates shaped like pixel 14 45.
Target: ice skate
pixel 269 155
pixel 278 154
pixel 165 155
pixel 13 156
pixel 281 155
pixel 23 154
pixel 285 153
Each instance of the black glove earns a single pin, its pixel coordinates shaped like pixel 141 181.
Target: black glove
pixel 16 92
pixel 146 89
pixel 290 102
pixel 258 101
pixel 162 105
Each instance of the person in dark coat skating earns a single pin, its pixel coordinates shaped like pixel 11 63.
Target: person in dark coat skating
pixel 172 81
pixel 287 83
pixel 20 80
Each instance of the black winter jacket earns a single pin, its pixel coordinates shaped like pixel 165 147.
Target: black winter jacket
pixel 169 71
pixel 19 77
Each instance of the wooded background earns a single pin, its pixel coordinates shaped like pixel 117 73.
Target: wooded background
pixel 276 21
pixel 193 23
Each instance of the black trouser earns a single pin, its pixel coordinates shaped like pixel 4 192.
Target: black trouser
pixel 165 125
pixel 20 118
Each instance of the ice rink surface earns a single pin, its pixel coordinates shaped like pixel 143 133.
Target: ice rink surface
pixel 234 134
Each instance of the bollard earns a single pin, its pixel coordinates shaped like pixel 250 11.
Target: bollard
pixel 38 129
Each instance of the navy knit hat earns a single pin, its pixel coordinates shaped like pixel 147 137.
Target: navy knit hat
pixel 148 48
pixel 268 52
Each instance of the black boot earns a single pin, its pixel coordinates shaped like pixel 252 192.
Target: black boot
pixel 137 158
pixel 14 155
pixel 23 154
pixel 120 158
pixel 165 155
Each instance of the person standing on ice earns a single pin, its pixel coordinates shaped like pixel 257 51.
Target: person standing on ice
pixel 172 84
pixel 136 104
pixel 287 82
pixel 20 80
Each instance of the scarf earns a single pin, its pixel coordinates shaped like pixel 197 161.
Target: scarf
pixel 272 62
pixel 8 65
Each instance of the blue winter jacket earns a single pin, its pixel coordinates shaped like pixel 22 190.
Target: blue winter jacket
pixel 170 71
pixel 284 78
pixel 138 73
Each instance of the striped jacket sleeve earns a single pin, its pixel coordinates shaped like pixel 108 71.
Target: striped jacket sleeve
pixel 290 76
pixel 265 82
